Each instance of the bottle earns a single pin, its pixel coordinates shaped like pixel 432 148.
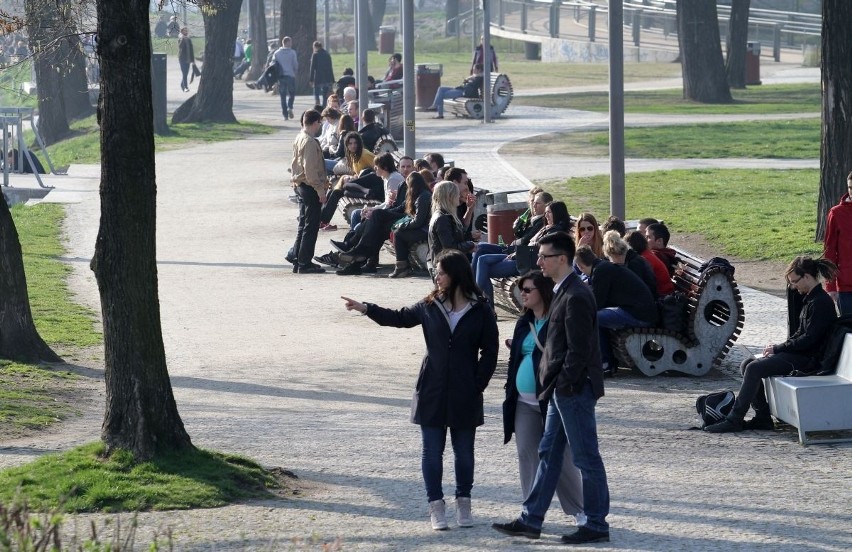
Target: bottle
pixel 500 241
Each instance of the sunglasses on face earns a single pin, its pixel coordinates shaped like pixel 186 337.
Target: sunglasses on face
pixel 587 229
pixel 528 289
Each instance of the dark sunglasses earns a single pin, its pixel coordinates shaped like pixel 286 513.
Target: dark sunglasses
pixel 528 289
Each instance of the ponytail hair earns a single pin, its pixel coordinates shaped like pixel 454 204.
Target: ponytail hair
pixel 803 265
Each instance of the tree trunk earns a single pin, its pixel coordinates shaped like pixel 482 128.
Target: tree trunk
pixel 19 339
pixel 299 22
pixel 259 40
pixel 75 85
pixel 43 21
pixel 836 146
pixel 452 13
pixel 737 42
pixel 377 13
pixel 141 415
pixel 703 68
pixel 214 100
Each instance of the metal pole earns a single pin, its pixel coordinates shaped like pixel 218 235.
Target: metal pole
pixel 486 62
pixel 327 26
pixel 361 71
pixel 184 13
pixel 474 29
pixel 408 92
pixel 616 108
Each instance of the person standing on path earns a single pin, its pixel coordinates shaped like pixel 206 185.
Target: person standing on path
pixel 309 181
pixel 461 355
pixel 321 74
pixel 288 68
pixel 186 57
pixel 838 249
pixel 572 381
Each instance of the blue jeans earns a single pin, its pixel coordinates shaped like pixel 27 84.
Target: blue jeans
pixel 445 93
pixel 287 90
pixel 184 72
pixel 844 302
pixel 493 266
pixel 321 92
pixel 570 419
pixel 614 318
pixel 432 459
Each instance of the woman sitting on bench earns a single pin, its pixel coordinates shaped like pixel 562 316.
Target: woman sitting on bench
pixel 798 354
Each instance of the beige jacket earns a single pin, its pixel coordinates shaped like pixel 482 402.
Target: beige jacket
pixel 308 167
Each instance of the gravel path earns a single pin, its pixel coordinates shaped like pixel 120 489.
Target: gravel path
pixel 268 364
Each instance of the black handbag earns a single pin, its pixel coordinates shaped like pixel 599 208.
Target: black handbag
pixel 526 257
pixel 196 72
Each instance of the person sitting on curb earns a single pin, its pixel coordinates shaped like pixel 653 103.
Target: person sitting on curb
pixel 799 354
pixel 471 87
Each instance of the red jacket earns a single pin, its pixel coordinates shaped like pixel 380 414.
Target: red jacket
pixel 838 244
pixel 661 273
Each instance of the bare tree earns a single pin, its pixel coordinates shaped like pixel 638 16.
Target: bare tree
pixel 704 78
pixel 257 30
pixel 214 100
pixel 141 415
pixel 299 22
pixel 43 21
pixel 737 42
pixel 836 144
pixel 19 339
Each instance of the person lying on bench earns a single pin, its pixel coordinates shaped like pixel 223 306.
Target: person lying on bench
pixel 800 353
pixel 471 87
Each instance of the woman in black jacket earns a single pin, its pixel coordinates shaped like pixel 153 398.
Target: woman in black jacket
pixel 418 207
pixel 445 228
pixel 523 414
pixel 800 353
pixel 461 354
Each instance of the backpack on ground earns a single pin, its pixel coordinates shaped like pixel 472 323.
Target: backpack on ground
pixel 714 407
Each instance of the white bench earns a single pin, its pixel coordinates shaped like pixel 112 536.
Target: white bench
pixel 816 403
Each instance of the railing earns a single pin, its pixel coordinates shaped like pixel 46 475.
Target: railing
pixel 652 22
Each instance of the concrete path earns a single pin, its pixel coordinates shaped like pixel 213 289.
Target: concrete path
pixel 267 364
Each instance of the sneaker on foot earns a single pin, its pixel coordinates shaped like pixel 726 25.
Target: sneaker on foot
pixel 464 517
pixel 725 426
pixel 580 518
pixel 760 423
pixel 328 227
pixel 329 259
pixel 438 513
pixel 290 114
pixel 517 528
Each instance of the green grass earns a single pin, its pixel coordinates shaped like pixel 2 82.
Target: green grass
pixel 58 319
pixel 767 99
pixel 84 144
pixel 33 398
pixel 782 139
pixel 88 481
pixel 11 78
pixel 750 214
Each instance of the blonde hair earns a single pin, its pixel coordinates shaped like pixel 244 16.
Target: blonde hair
pixel 613 244
pixel 445 197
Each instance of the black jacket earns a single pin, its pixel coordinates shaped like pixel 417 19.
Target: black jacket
pixel 522 330
pixel 815 322
pixel 370 134
pixel 458 365
pixel 535 225
pixel 321 71
pixel 572 353
pixel 422 213
pixel 616 286
pixel 640 267
pixel 472 87
pixel 445 233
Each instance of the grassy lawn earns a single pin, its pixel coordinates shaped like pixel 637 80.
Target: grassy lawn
pixel 84 480
pixel 777 98
pixel 793 139
pixel 84 145
pixel 753 215
pixel 33 398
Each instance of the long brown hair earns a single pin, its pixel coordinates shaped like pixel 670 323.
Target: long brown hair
pixel 803 264
pixel 353 157
pixel 457 268
pixel 416 184
pixel 543 284
pixel 597 242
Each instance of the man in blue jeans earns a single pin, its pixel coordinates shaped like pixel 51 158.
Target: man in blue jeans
pixel 572 381
pixel 288 68
pixel 470 88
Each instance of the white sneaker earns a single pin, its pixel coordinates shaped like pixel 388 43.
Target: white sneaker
pixel 580 519
pixel 463 515
pixel 438 513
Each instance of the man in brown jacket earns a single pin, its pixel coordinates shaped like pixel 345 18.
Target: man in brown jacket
pixel 309 181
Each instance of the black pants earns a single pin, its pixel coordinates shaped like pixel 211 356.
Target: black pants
pixel 372 182
pixel 376 231
pixel 330 205
pixel 309 220
pixel 754 370
pixel 404 239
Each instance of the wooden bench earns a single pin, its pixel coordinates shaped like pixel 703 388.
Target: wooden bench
pixel 417 256
pixel 349 205
pixel 816 403
pixel 714 321
pixel 501 97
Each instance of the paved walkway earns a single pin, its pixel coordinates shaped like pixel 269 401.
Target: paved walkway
pixel 267 364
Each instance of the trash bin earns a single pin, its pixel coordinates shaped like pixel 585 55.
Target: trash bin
pixel 387 38
pixel 752 63
pixel 427 80
pixel 500 219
